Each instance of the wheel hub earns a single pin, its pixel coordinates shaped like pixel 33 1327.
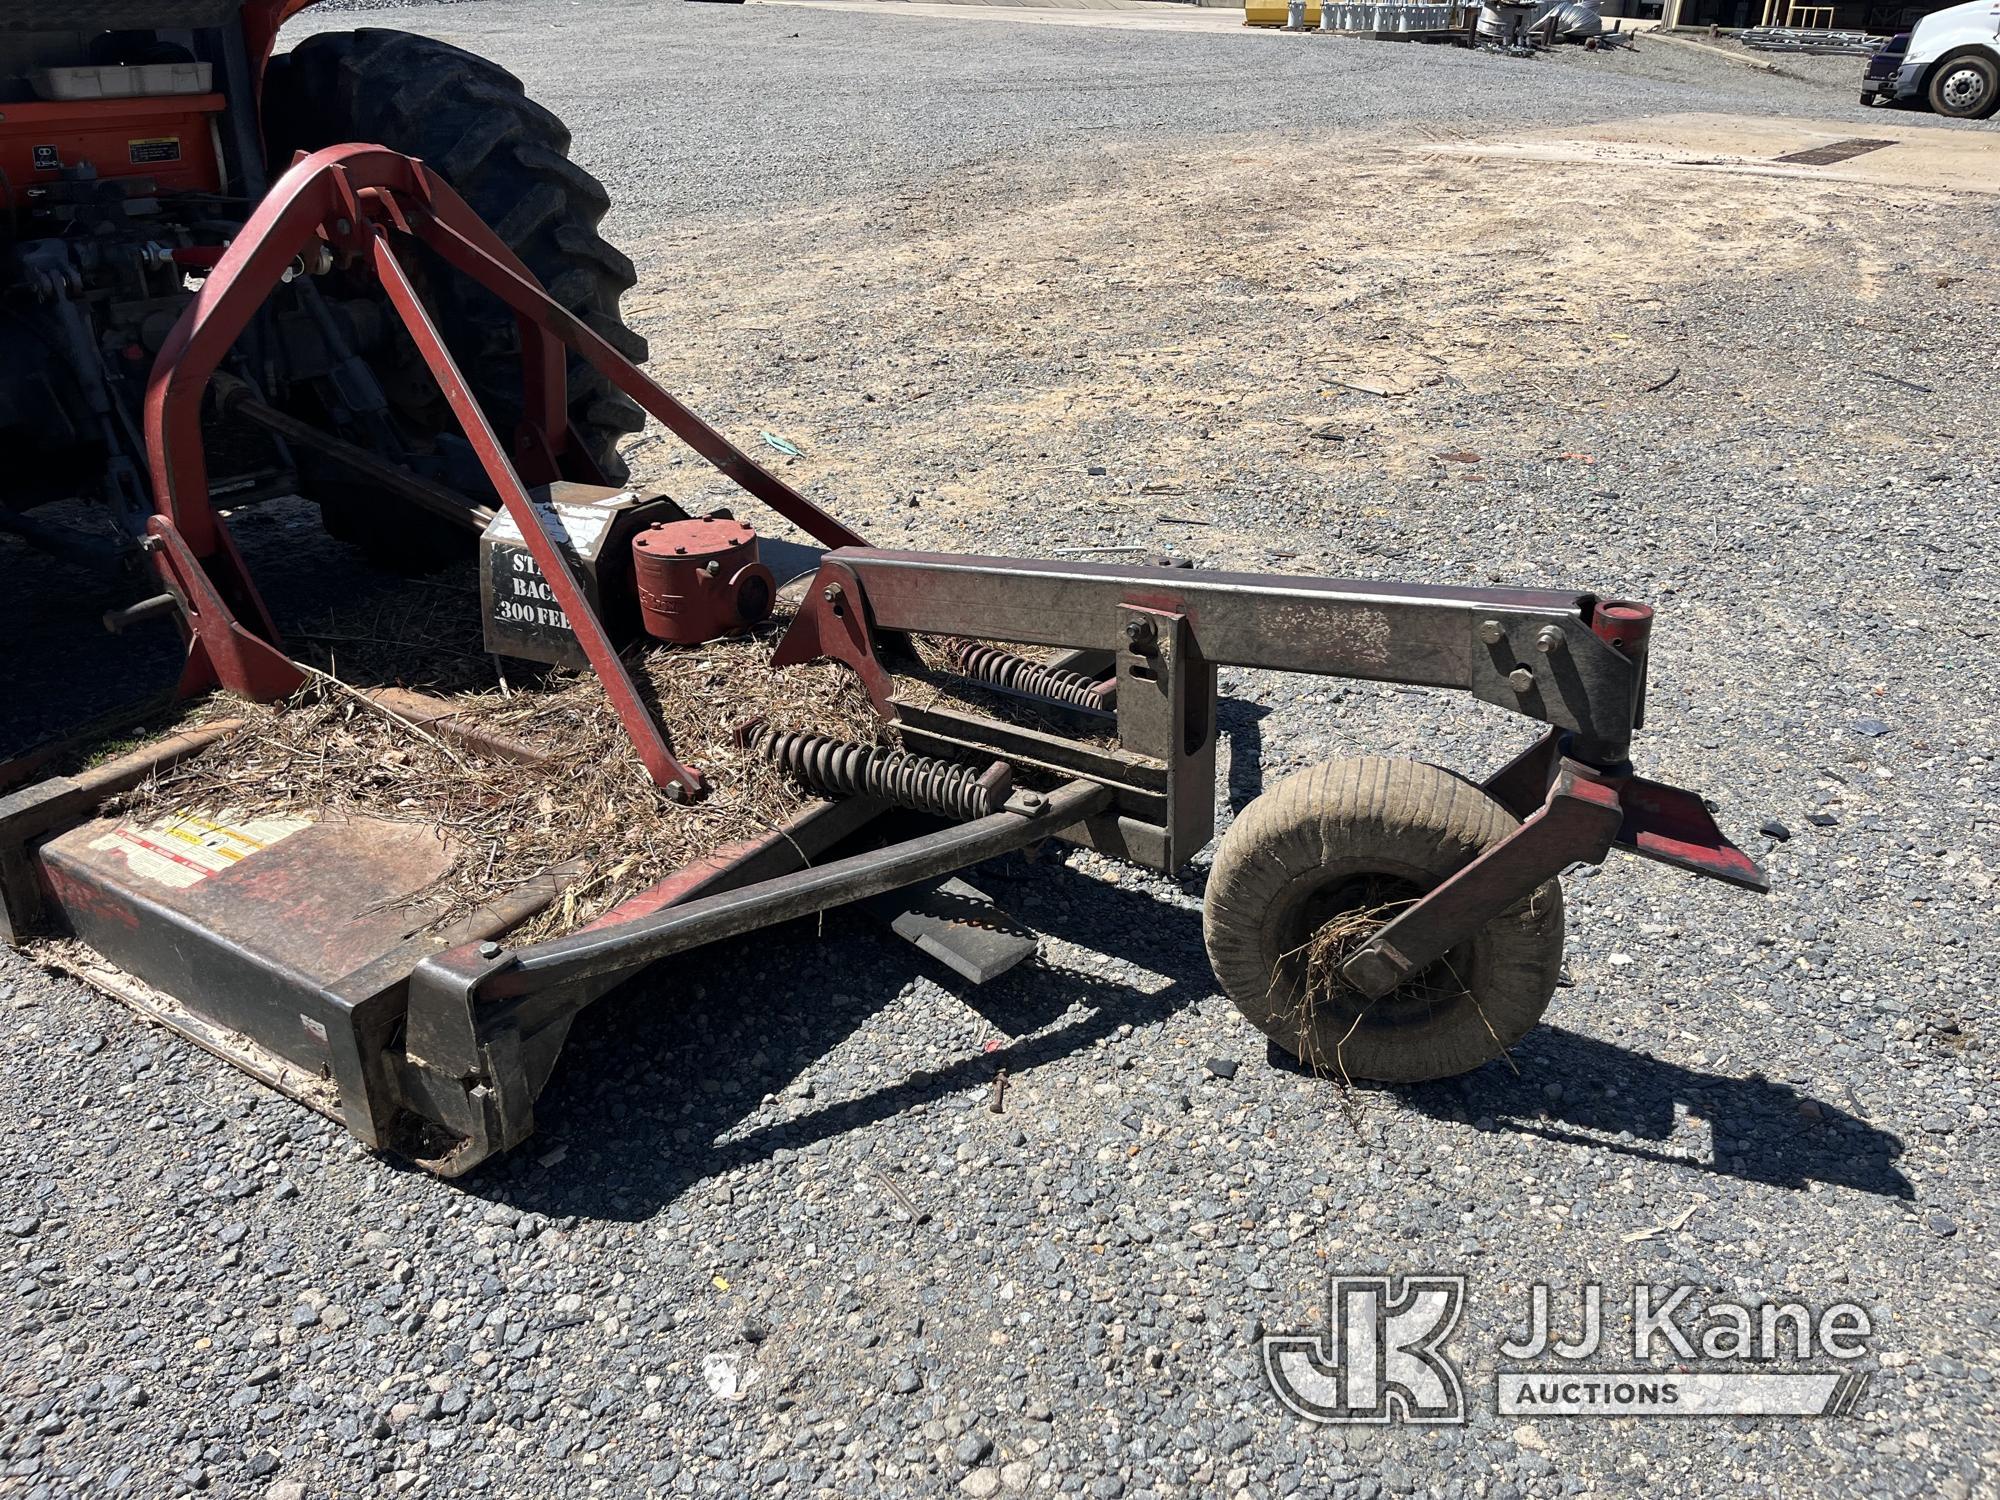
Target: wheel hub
pixel 1965 88
pixel 1334 921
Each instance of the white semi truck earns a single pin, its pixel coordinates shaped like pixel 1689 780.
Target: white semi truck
pixel 1949 61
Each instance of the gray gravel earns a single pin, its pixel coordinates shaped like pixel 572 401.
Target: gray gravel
pixel 769 1239
pixel 697 109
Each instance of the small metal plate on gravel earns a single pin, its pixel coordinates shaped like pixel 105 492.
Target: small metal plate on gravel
pixel 957 924
pixel 1826 156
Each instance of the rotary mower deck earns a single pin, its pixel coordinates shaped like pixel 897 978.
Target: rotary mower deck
pixel 304 951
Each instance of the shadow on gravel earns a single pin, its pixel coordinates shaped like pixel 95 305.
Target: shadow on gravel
pixel 1240 725
pixel 662 1088
pixel 1764 1131
pixel 665 1085
pixel 63 667
pixel 66 669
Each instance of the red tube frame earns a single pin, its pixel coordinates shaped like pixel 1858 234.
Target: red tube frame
pixel 352 198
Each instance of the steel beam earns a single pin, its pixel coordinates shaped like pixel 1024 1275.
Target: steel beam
pixel 1533 651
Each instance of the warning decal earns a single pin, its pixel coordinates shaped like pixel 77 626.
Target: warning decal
pixel 48 159
pixel 153 149
pixel 185 848
pixel 573 525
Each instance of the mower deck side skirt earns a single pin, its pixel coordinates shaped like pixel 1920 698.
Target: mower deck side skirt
pixel 316 904
pixel 234 1047
pixel 260 952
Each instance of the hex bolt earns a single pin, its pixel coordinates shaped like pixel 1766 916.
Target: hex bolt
pixel 1550 638
pixel 1522 680
pixel 833 593
pixel 489 950
pixel 712 568
pixel 1141 634
pixel 1491 632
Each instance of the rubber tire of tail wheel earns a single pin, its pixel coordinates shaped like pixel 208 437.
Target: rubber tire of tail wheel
pixel 1988 101
pixel 1317 831
pixel 471 122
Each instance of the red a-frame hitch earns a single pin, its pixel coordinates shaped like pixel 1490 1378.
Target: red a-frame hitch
pixel 349 206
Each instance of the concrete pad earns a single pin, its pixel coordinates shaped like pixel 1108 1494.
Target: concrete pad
pixel 1928 157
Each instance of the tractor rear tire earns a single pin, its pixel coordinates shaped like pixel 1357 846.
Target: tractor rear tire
pixel 470 121
pixel 1309 857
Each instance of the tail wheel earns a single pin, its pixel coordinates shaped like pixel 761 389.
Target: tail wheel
pixel 1322 860
pixel 470 121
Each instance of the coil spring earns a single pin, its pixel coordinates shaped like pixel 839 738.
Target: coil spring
pixel 843 768
pixel 1017 674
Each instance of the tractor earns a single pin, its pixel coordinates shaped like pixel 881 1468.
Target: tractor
pixel 136 139
pixel 365 272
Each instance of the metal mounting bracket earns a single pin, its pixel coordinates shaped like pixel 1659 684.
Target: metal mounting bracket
pixel 1578 822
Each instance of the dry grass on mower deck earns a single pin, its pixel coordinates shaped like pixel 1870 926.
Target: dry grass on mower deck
pixel 326 753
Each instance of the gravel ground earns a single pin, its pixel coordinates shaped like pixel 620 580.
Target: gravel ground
pixel 783 1247
pixel 1817 84
pixel 726 110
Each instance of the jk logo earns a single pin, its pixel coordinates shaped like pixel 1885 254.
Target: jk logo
pixel 1381 1359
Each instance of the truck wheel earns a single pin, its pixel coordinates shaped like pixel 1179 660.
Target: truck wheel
pixel 1966 87
pixel 1324 858
pixel 470 121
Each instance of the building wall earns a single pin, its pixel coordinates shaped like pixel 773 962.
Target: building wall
pixel 1879 17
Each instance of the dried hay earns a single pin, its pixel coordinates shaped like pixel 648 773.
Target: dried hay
pixel 1323 988
pixel 329 751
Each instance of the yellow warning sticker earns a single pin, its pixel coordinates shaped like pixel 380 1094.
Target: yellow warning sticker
pixel 185 847
pixel 152 150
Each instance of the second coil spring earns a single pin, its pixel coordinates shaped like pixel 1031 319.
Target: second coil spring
pixel 1017 674
pixel 843 768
